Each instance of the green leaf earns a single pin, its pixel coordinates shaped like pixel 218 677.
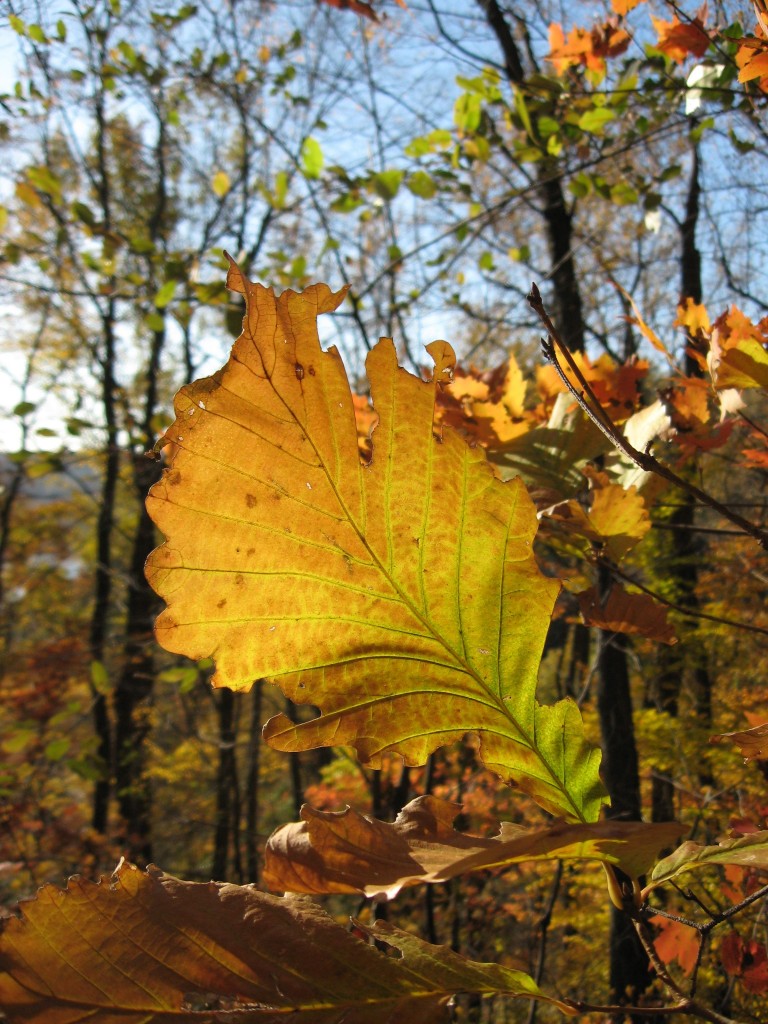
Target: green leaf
pixel 312 160
pixel 19 740
pixel 45 181
pixel 165 295
pixel 386 184
pixel 84 213
pixel 24 408
pixel 595 120
pixel 401 598
pixel 147 947
pixel 747 851
pixel 100 678
pixel 623 194
pixel 280 190
pixel 467 111
pixel 56 749
pixel 36 33
pixel 522 112
pixel 422 184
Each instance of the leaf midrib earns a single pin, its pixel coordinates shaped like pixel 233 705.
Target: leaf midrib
pixel 428 625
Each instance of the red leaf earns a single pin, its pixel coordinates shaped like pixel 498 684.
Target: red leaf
pixel 678 38
pixel 676 941
pixel 746 960
pixel 357 6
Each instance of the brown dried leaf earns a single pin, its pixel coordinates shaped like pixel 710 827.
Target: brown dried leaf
pixel 622 612
pixel 753 743
pixel 344 851
pixel 151 949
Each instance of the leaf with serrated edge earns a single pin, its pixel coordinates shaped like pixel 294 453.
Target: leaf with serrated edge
pixel 402 597
pixel 747 851
pixel 151 949
pixel 343 851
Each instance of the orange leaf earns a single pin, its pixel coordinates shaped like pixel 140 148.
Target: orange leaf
pixel 648 333
pixel 586 48
pixel 622 7
pixel 676 941
pixel 677 39
pixel 752 60
pixel 359 589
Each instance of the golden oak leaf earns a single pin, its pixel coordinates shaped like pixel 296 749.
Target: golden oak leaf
pixel 693 317
pixel 677 39
pixel 622 612
pixel 400 597
pixel 488 408
pixel 738 355
pixel 618 515
pixel 344 851
pixel 151 949
pixel 753 743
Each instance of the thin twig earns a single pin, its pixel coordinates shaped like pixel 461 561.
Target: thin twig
pixel 589 402
pixel 689 613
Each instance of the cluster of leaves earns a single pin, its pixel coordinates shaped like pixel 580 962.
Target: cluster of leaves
pixel 383 572
pixel 399 594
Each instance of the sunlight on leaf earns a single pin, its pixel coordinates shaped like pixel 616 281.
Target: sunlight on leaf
pixel 747 851
pixel 401 597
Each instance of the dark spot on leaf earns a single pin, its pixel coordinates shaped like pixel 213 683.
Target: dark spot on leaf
pixel 250 500
pixel 239 580
pixel 251 551
pixel 311 371
pixel 299 371
pixel 222 602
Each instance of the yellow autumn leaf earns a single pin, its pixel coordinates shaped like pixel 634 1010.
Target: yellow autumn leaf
pixel 220 183
pixel 401 597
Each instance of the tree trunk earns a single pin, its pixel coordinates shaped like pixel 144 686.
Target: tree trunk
pixel 252 785
pixel 681 551
pixel 97 633
pixel 629 968
pixel 133 694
